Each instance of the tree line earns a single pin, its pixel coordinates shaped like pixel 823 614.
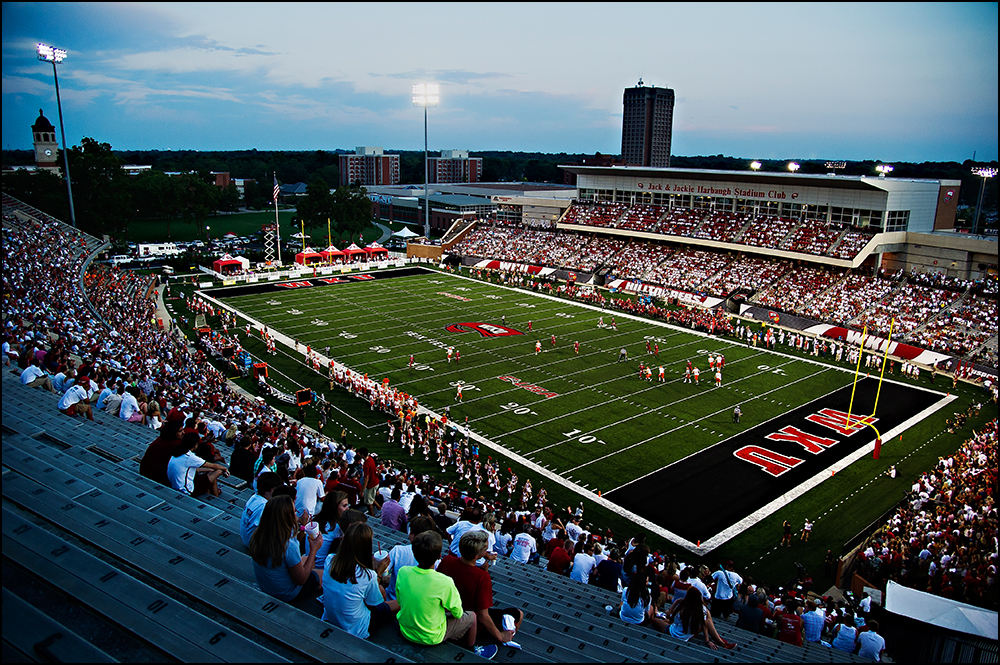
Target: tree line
pixel 106 199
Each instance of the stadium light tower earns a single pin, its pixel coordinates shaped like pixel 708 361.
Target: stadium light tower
pixel 984 173
pixel 426 94
pixel 755 165
pixel 55 56
pixel 883 170
pixel 793 167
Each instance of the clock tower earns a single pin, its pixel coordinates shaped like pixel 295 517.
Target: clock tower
pixel 46 148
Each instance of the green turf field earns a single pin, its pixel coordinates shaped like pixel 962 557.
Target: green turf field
pixel 601 426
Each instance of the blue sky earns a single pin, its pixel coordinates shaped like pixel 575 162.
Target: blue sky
pixel 885 81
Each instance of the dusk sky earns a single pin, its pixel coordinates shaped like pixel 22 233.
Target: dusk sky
pixel 884 81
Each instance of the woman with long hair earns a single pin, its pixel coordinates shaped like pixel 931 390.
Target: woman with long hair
pixel 637 606
pixel 688 617
pixel 352 597
pixel 278 565
pixel 334 505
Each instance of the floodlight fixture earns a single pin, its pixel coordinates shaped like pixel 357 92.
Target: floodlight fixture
pixel 51 54
pixel 755 165
pixel 55 56
pixel 793 167
pixel 426 94
pixel 836 165
pixel 883 170
pixel 983 172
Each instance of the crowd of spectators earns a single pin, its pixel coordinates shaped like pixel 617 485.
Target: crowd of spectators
pixel 767 231
pixel 811 237
pixel 943 538
pixel 764 230
pixel 746 272
pixel 849 297
pixel 796 288
pixel 687 269
pixel 911 305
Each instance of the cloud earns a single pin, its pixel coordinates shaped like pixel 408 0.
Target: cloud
pixel 457 76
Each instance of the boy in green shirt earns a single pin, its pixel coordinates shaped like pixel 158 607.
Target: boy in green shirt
pixel 430 608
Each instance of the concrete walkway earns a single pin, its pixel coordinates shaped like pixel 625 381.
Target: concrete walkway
pixel 386 233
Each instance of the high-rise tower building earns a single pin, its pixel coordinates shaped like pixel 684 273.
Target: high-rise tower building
pixel 647 124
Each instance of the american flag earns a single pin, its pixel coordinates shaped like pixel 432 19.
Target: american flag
pixel 276 188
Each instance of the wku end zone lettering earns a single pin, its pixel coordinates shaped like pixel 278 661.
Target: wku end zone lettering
pixel 325 280
pixel 484 329
pixel 776 464
pixel 538 390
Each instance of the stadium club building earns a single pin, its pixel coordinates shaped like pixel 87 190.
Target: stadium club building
pixel 912 219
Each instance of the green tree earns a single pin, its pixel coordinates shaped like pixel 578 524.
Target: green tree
pixel 229 200
pixel 254 194
pixel 101 191
pixel 352 210
pixel 197 198
pixel 317 205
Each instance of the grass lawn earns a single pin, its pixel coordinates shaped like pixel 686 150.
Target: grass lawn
pixel 585 420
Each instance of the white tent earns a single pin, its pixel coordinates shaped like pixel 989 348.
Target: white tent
pixel 405 233
pixel 940 612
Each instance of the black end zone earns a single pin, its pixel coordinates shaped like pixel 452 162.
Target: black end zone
pixel 716 488
pixel 313 282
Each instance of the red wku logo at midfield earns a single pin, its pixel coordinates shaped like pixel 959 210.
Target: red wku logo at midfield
pixel 776 464
pixel 484 329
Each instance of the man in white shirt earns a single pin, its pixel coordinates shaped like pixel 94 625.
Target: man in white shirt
pixel 583 564
pixel 308 492
pixel 74 400
pixel 525 548
pixel 34 376
pixel 129 410
pixel 727 583
pixel 573 529
pixel 475 521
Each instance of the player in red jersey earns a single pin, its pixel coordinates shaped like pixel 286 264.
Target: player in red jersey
pixel 529 325
pixel 576 347
pixel 458 355
pixel 656 350
pixel 553 340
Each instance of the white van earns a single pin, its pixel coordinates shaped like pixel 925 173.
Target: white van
pixel 118 259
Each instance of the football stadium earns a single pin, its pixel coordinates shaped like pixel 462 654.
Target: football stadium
pixel 729 397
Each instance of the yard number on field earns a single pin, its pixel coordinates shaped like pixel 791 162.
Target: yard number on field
pixel 514 407
pixel 586 438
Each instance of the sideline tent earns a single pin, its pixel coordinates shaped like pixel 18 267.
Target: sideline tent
pixel 354 252
pixel 376 251
pixel 405 233
pixel 308 257
pixel 940 612
pixel 227 264
pixel 332 255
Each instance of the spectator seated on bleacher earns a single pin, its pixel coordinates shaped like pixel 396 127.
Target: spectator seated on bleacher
pixel 76 399
pixel 524 547
pixel 401 556
pixel 158 454
pixel 476 589
pixel 637 606
pixel 430 607
pixel 278 565
pixel 185 465
pixel 34 376
pixel 688 617
pixel 353 599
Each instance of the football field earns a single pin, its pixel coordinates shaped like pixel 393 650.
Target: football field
pixel 585 419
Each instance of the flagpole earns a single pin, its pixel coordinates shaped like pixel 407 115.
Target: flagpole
pixel 277 227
